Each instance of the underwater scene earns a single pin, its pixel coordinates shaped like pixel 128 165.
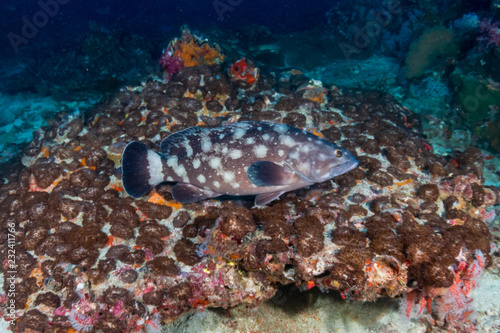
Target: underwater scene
pixel 250 166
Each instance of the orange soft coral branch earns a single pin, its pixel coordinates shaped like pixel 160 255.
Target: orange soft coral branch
pixel 194 54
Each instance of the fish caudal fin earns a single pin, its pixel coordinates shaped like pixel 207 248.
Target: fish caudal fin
pixel 137 163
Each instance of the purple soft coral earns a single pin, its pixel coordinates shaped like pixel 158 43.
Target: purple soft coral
pixel 490 32
pixel 170 63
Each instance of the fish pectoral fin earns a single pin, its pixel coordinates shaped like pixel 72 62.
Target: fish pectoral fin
pixel 304 178
pixel 265 173
pixel 187 193
pixel 265 198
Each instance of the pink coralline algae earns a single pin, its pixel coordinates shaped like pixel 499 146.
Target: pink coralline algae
pixel 453 305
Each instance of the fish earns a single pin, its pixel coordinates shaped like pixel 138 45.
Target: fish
pixel 239 159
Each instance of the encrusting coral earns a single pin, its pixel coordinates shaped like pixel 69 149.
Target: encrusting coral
pixel 406 222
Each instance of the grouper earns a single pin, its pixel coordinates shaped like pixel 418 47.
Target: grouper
pixel 239 159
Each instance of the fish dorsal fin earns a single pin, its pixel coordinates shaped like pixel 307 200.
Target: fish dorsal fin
pixel 187 193
pixel 179 137
pixel 265 198
pixel 265 173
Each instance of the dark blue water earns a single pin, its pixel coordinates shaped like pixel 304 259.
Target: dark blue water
pixel 154 19
pixel 68 50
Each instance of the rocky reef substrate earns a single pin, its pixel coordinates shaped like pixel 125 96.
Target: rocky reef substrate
pixel 406 223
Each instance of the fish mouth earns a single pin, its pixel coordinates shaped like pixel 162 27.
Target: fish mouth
pixel 343 168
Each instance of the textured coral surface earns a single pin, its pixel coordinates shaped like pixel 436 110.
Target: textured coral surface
pixel 406 222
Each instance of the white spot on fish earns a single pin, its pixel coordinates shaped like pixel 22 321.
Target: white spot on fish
pixel 180 171
pixel 239 133
pixel 196 163
pixel 221 136
pixel 294 155
pixel 266 137
pixel 235 153
pixel 206 144
pixel 224 150
pixel 304 149
pixel 172 161
pixel 201 179
pixel 170 179
pixel 280 128
pixel 287 140
pixel 216 184
pixel 250 141
pixel 281 152
pixel 228 176
pixel 235 185
pixel 155 168
pixel 189 149
pixel 215 162
pixel 260 151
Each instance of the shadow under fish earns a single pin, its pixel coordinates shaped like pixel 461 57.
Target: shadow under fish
pixel 240 159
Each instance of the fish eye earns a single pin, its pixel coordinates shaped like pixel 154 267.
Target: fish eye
pixel 338 153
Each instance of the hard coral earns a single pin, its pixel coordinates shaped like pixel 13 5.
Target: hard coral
pixel 237 224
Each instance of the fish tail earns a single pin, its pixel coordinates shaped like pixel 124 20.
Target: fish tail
pixel 138 164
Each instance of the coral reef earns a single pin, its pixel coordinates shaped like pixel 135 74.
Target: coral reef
pixel 477 96
pixel 436 94
pixel 475 83
pixel 406 222
pixel 490 32
pixel 433 43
